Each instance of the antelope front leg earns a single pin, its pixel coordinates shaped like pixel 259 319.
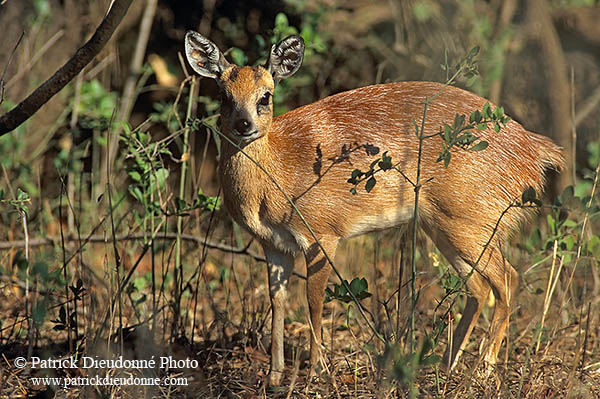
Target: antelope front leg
pixel 318 270
pixel 281 266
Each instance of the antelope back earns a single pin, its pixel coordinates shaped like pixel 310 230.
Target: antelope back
pixel 317 146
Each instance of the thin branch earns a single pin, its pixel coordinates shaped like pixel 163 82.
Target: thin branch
pixel 15 117
pixel 38 55
pixel 52 240
pixel 2 79
pixel 588 106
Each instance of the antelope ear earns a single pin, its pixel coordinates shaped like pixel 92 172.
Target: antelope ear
pixel 285 58
pixel 204 56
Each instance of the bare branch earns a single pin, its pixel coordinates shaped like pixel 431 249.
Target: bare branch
pixel 38 242
pixel 2 81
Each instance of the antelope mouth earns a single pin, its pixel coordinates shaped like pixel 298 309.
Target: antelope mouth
pixel 246 138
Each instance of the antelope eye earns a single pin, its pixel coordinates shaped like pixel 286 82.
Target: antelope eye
pixel 264 100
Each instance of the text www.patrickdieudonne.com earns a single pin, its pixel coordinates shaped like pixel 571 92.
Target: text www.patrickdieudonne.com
pixel 67 382
pixel 87 362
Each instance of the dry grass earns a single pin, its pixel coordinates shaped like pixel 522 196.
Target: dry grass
pixel 232 335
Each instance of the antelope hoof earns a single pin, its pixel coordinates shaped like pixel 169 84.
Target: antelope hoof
pixel 446 364
pixel 316 370
pixel 487 368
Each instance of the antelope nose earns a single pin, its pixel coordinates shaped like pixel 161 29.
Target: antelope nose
pixel 242 126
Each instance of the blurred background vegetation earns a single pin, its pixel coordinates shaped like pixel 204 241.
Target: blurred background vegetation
pixel 131 109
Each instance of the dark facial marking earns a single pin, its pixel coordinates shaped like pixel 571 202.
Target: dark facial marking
pixel 258 73
pixel 234 73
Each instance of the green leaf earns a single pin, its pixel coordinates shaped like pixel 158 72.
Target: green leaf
pixel 161 177
pixel 238 56
pixel 281 21
pixel 567 195
pixel 475 117
pixel 447 157
pixel 359 285
pixel 551 223
pixel 181 204
pixel 40 268
pixel 431 360
pixel 466 139
pixel 206 202
pixel 329 295
pixel 474 51
pixel 62 315
pixel 459 120
pixel 593 247
pixel 422 11
pixel 536 238
pixel 135 175
pixel 139 283
pixel 569 242
pixel 386 162
pixel 22 195
pixel 486 110
pixel 447 133
pixel 20 261
pixel 39 312
pixel 482 145
pixel 499 112
pixel 370 184
pixel 136 193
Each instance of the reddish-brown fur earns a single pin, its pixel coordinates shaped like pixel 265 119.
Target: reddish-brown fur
pixel 311 151
pixel 474 190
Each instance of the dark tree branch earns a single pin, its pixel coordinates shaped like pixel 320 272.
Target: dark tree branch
pixel 12 119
